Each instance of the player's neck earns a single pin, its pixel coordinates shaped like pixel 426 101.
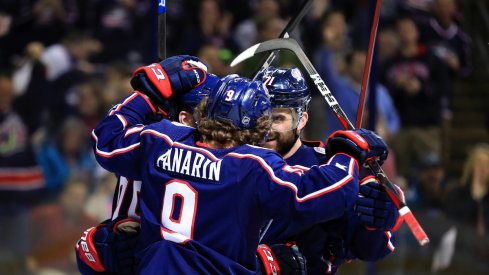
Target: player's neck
pixel 295 147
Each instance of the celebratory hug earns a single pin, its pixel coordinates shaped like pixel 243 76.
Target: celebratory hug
pixel 214 178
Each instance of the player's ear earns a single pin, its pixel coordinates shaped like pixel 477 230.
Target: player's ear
pixel 303 121
pixel 186 118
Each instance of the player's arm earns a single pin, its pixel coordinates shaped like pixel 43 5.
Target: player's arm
pixel 324 192
pixel 117 140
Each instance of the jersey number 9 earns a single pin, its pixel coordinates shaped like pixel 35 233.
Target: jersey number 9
pixel 178 213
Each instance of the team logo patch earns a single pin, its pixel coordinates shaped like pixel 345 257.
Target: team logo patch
pixel 246 120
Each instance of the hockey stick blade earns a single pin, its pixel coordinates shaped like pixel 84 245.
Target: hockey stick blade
pixel 292 45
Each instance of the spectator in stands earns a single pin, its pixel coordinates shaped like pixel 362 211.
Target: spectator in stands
pixel 267 28
pixel 213 28
pixel 48 21
pixel 417 81
pixel 335 41
pixel 217 59
pixel 124 28
pixel 310 26
pixel 246 33
pixel 31 88
pixel 472 193
pixel 21 181
pixel 387 44
pixel 427 189
pixel 67 156
pixel 425 197
pixel 467 204
pixel 68 64
pixel 449 42
pixel 91 107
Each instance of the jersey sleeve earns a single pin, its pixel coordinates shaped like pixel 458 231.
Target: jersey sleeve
pixel 306 196
pixel 117 140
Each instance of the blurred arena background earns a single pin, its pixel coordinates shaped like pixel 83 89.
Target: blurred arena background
pixel 64 63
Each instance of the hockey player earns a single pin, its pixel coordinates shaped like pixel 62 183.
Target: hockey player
pixel 206 193
pixel 362 233
pixel 114 240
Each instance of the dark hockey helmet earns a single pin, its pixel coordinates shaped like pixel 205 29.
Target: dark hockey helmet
pixel 195 96
pixel 239 101
pixel 287 88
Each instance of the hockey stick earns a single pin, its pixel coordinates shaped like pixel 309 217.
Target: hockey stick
pixel 266 62
pixel 162 29
pixel 292 45
pixel 368 65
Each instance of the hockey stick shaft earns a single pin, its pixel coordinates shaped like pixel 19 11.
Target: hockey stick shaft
pixel 292 45
pixel 293 22
pixel 368 65
pixel 161 29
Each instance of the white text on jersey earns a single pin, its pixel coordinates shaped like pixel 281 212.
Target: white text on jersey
pixel 189 163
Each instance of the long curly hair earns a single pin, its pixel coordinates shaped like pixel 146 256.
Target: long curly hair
pixel 224 133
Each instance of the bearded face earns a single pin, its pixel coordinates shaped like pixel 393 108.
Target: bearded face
pixel 284 131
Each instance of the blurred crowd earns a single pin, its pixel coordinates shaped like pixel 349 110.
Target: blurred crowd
pixel 64 63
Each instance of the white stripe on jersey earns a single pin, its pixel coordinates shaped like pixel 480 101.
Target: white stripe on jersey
pixel 290 185
pixel 119 106
pixel 390 245
pixel 135 129
pixel 123 121
pixel 114 152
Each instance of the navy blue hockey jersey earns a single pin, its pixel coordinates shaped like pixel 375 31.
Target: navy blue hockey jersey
pixel 212 203
pixel 346 235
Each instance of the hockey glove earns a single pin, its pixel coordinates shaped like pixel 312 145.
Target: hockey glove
pixel 110 246
pixel 285 259
pixel 361 144
pixel 170 78
pixel 375 208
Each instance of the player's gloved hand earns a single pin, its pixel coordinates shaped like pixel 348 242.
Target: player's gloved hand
pixel 285 258
pixel 362 144
pixel 170 78
pixel 375 208
pixel 110 246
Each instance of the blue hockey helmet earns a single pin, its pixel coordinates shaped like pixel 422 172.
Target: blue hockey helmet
pixel 239 101
pixel 287 88
pixel 195 96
